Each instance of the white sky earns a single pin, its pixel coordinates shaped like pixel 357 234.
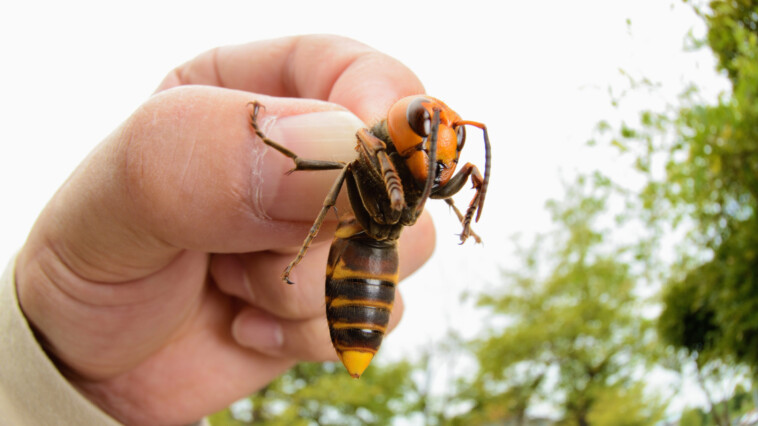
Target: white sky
pixel 537 73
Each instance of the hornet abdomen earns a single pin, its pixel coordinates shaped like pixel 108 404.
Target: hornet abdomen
pixel 361 275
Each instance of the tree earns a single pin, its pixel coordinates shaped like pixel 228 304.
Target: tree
pixel 710 184
pixel 711 181
pixel 323 394
pixel 574 336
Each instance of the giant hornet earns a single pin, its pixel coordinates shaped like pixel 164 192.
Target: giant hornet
pixel 402 161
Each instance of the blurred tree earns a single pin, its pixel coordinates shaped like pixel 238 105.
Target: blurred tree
pixel 739 404
pixel 626 407
pixel 709 153
pixel 323 394
pixel 693 417
pixel 712 174
pixel 574 336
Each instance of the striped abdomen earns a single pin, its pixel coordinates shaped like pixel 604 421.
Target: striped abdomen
pixel 360 287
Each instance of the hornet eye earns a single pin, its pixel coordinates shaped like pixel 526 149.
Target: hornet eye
pixel 419 118
pixel 461 133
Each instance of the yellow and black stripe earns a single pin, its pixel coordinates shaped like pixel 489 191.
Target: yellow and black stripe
pixel 361 276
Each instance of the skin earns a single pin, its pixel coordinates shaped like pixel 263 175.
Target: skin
pixel 153 277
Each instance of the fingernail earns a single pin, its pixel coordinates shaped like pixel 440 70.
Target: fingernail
pixel 256 330
pixel 328 134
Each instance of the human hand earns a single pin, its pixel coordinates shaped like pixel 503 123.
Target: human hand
pixel 153 275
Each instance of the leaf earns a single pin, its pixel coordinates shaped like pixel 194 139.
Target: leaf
pixel 620 145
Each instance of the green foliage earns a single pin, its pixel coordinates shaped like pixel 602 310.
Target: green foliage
pixel 710 157
pixel 738 405
pixel 714 163
pixel 574 336
pixel 732 26
pixel 694 417
pixel 688 320
pixel 627 407
pixel 324 394
pixel 714 310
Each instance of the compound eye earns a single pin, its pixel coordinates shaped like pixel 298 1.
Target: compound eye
pixel 419 118
pixel 461 133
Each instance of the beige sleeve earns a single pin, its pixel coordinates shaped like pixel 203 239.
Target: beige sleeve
pixel 32 391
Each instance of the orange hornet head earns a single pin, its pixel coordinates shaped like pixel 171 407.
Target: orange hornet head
pixel 409 123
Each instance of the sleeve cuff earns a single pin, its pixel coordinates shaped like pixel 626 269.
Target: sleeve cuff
pixel 32 390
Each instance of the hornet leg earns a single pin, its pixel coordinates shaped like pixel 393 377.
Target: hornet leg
pixel 329 202
pixel 300 163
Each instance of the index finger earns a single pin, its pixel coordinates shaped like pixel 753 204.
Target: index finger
pixel 330 68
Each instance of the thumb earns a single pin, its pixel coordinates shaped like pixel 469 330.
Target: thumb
pixel 186 171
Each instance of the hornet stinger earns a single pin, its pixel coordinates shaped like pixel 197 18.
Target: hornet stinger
pixel 402 161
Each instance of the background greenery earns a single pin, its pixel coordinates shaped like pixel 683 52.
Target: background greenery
pixel 633 284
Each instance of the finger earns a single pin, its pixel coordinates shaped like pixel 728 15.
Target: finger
pixel 356 76
pixel 306 340
pixel 225 176
pixel 256 278
pixel 209 363
pixel 187 172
